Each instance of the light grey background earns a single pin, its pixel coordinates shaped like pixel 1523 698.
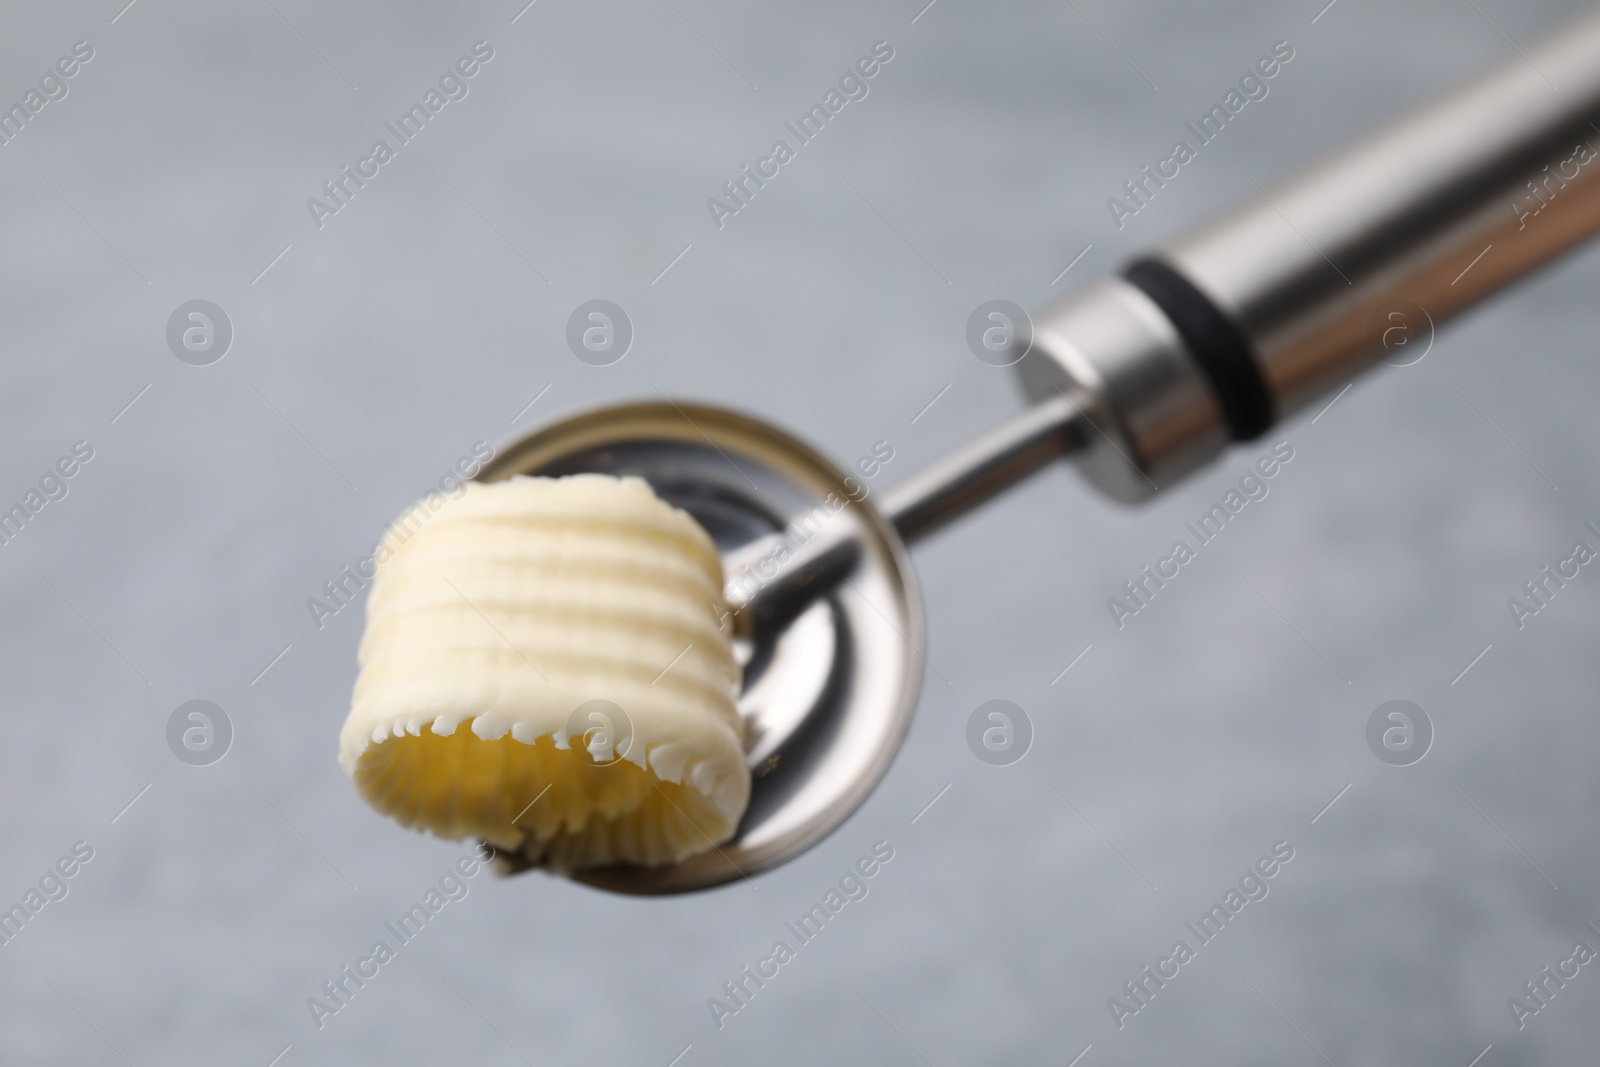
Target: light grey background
pixel 378 349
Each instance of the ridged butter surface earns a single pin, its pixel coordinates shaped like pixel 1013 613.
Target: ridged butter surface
pixel 493 618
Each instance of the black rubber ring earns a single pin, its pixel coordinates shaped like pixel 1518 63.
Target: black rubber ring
pixel 1219 346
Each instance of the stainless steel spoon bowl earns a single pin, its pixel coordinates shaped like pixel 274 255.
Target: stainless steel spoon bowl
pixel 829 689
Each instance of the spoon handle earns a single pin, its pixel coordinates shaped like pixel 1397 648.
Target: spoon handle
pixel 1311 281
pixel 1146 377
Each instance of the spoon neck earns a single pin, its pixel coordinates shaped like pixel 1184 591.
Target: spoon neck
pixel 771 578
pixel 982 468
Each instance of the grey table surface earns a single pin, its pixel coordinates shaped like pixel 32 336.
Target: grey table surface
pixel 370 352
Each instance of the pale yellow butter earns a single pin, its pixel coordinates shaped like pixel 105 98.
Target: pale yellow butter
pixel 515 604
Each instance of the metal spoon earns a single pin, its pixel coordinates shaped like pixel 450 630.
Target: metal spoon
pixel 1143 378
